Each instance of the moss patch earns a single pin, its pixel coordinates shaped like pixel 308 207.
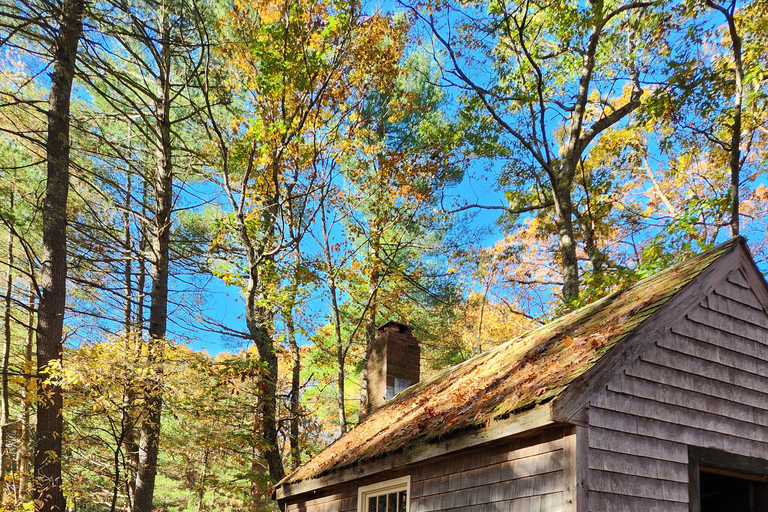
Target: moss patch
pixel 513 377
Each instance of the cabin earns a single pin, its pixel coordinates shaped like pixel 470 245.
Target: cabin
pixel 654 398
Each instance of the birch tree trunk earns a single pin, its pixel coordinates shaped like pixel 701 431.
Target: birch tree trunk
pixel 4 405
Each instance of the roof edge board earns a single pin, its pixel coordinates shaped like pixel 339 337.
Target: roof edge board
pixel 536 418
pixel 754 277
pixel 581 391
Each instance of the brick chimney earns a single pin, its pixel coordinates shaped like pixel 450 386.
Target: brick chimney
pixel 393 364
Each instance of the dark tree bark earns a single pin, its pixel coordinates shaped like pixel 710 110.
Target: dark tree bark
pixel 294 405
pixel 734 160
pixel 158 311
pixel 569 263
pixel 562 174
pixel 258 319
pixel 53 275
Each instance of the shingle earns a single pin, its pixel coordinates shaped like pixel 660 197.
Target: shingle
pixel 520 374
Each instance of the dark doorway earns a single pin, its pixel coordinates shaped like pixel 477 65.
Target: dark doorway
pixel 720 481
pixel 728 491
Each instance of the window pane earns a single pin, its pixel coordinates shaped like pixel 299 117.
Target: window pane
pixel 392 502
pixel 403 500
pixel 382 503
pixel 372 504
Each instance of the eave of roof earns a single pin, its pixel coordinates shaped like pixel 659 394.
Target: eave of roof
pixel 512 378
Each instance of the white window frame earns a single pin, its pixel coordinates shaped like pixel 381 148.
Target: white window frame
pixel 389 486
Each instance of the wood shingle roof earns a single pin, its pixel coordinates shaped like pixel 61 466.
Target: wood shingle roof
pixel 515 377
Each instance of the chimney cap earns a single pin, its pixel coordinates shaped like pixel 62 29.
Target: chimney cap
pixel 395 326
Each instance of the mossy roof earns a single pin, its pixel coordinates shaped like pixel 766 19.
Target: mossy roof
pixel 515 376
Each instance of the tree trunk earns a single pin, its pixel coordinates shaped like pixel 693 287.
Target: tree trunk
pixel 202 481
pixel 734 160
pixel 133 331
pixel 158 311
pixel 256 503
pixel 294 405
pixel 258 320
pixel 128 326
pixel 24 454
pixel 596 256
pixel 562 178
pixel 4 405
pixel 340 359
pixel 478 348
pixel 132 456
pixel 53 275
pixel 130 442
pixel 370 314
pixel 735 156
pixel 141 279
pixel 115 480
pixel 566 243
pixel 340 352
pixel 295 392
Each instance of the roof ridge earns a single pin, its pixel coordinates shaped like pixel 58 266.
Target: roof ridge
pixel 525 371
pixel 561 319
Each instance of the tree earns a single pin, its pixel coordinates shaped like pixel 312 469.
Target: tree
pixel 301 66
pixel 542 83
pixel 149 81
pixel 53 274
pixel 18 216
pixel 4 389
pixel 734 161
pixel 713 95
pixel 671 169
pixel 406 150
pixel 102 380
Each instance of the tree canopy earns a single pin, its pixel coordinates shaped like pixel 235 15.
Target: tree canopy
pixel 275 181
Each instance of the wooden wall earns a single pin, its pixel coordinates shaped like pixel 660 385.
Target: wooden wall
pixel 521 475
pixel 705 383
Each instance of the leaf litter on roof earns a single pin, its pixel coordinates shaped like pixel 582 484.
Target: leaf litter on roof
pixel 515 376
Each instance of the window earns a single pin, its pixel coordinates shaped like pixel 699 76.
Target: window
pixel 389 496
pixel 720 481
pixel 731 490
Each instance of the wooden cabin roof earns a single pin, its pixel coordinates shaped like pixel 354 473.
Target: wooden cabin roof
pixel 517 376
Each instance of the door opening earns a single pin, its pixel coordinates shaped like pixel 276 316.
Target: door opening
pixel 723 490
pixel 720 481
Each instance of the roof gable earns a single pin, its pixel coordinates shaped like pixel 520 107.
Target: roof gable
pixel 564 358
pixel 735 258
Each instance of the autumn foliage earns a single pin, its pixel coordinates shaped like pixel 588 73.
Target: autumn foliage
pixel 273 181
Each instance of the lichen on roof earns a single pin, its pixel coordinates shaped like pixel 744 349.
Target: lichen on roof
pixel 520 374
